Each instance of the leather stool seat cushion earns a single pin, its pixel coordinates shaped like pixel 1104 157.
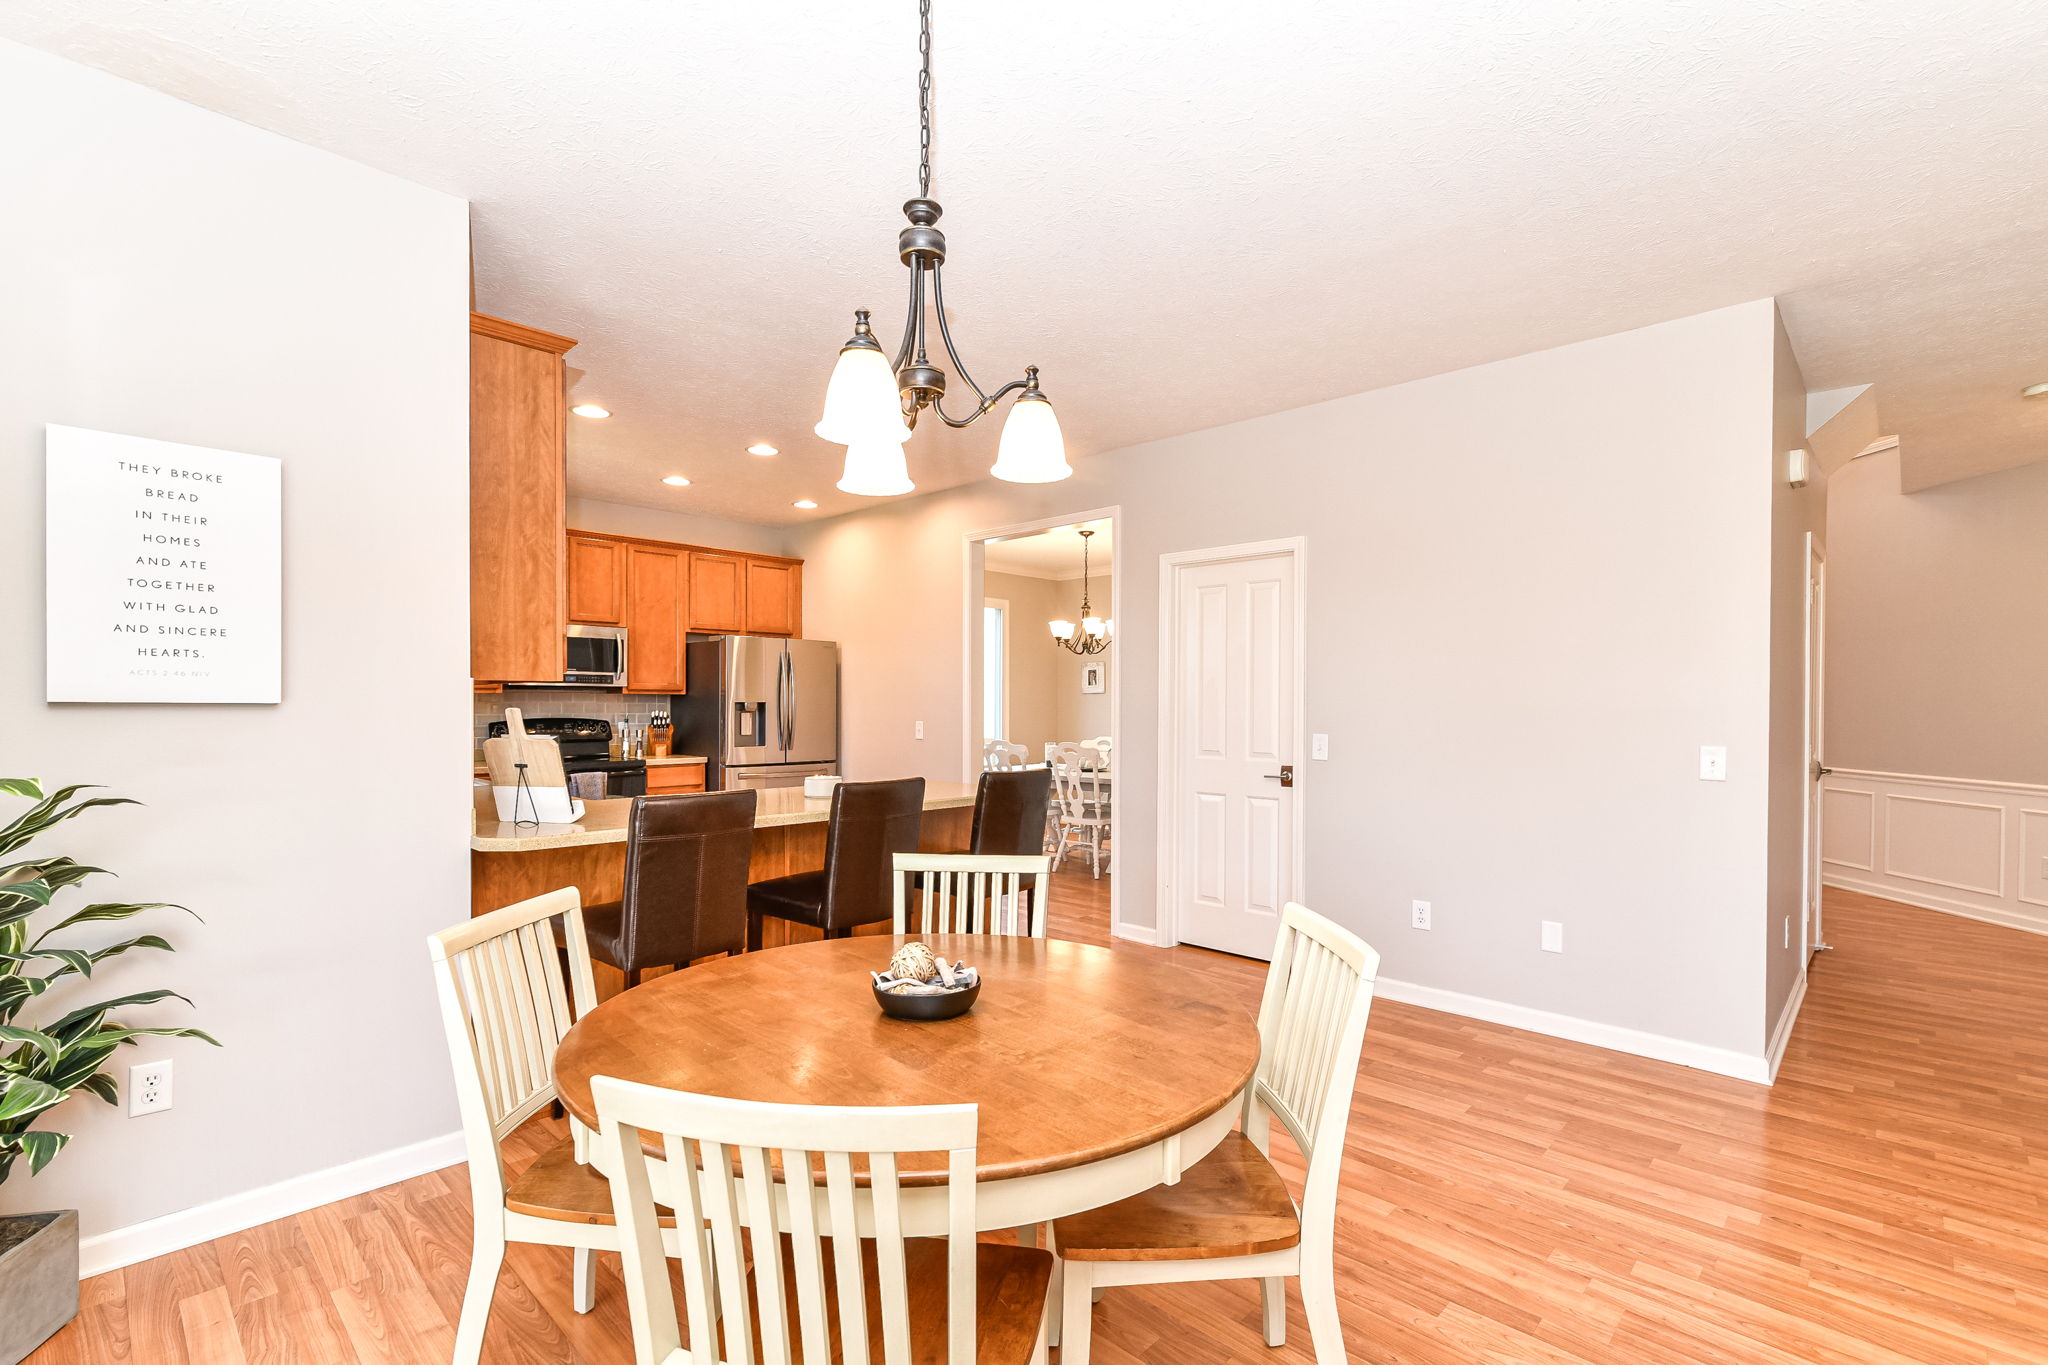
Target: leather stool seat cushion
pixel 799 897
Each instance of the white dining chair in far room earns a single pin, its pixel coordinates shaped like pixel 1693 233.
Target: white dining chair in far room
pixel 505 1006
pixel 1230 1216
pixel 970 893
pixel 1081 808
pixel 833 1294
pixel 1000 756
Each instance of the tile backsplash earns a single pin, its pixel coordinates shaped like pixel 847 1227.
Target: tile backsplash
pixel 616 707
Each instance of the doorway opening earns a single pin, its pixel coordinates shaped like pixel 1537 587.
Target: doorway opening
pixel 1031 700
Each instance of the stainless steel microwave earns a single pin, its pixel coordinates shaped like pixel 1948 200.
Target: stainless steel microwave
pixel 594 656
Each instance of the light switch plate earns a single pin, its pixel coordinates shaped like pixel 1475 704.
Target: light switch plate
pixel 1713 763
pixel 1318 746
pixel 1553 936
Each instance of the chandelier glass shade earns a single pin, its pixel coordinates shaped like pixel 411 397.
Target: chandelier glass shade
pixel 1092 636
pixel 872 400
pixel 876 469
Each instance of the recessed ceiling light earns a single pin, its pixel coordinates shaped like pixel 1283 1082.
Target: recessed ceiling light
pixel 676 481
pixel 805 503
pixel 590 410
pixel 762 448
pixel 2035 391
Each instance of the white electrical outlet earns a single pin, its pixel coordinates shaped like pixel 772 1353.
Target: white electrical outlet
pixel 1713 763
pixel 1418 914
pixel 920 731
pixel 1553 936
pixel 1318 746
pixel 149 1087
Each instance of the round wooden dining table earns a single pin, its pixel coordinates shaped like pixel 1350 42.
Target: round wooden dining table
pixel 1098 1074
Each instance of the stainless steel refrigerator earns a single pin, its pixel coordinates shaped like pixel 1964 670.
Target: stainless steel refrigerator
pixel 764 712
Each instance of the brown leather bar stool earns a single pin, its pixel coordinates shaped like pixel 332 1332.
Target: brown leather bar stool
pixel 1009 816
pixel 1009 811
pixel 686 883
pixel 871 822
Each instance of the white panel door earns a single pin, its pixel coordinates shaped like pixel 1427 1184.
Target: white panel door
pixel 1234 735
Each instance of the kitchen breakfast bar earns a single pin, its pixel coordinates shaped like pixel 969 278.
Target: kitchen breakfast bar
pixel 510 862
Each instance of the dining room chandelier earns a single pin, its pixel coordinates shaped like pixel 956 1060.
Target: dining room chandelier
pixel 872 403
pixel 1093 635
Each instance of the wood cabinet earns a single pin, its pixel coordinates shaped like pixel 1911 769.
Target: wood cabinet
pixel 517 444
pixel 664 778
pixel 657 593
pixel 661 592
pixel 774 597
pixel 718 593
pixel 597 580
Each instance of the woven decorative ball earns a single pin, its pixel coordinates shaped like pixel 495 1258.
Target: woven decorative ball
pixel 914 962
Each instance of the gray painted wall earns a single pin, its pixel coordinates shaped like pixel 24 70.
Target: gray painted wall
pixel 172 273
pixel 1535 589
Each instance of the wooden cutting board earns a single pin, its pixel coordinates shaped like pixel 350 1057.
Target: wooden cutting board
pixel 540 753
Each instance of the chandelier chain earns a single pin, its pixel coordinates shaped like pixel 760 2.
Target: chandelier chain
pixel 924 99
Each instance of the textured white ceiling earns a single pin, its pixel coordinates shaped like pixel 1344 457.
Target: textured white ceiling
pixel 1185 213
pixel 1055 553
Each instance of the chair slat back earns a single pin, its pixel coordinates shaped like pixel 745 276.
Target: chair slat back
pixel 734 1166
pixel 1311 1030
pixel 998 756
pixel 505 1007
pixel 1076 788
pixel 971 893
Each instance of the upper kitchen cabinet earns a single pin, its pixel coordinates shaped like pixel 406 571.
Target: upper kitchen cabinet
pixel 718 593
pixel 517 444
pixel 597 580
pixel 657 589
pixel 775 596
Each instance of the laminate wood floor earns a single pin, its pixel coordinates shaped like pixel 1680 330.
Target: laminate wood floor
pixel 1507 1198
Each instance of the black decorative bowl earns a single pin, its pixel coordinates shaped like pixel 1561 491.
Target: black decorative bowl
pixel 951 1005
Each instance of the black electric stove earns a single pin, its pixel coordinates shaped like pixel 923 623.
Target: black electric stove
pixel 586 748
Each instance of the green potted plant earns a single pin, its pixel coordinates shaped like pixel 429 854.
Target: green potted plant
pixel 43 1064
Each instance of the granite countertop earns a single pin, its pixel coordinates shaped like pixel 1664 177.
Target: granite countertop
pixel 604 822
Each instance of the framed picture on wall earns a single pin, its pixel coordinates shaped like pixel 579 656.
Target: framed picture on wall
pixel 1092 677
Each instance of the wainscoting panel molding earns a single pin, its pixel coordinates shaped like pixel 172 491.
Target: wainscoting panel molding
pixel 1978 849
pixel 1848 827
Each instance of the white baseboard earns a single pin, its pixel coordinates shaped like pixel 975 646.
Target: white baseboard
pixel 1781 1036
pixel 204 1222
pixel 1635 1042
pixel 1135 933
pixel 1929 900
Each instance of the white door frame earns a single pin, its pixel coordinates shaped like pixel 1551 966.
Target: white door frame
pixel 1815 639
pixel 973 562
pixel 1170 693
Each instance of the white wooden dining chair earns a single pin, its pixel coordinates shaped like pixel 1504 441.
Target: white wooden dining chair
pixel 970 893
pixel 1000 756
pixel 1081 802
pixel 505 1007
pixel 1230 1216
pixel 848 1285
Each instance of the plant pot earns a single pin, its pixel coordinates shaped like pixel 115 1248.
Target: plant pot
pixel 38 1279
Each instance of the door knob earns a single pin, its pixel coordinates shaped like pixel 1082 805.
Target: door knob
pixel 1285 777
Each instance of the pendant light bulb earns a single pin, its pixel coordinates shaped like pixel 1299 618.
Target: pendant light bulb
pixel 1062 629
pixel 876 469
pixel 1032 449
pixel 861 405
